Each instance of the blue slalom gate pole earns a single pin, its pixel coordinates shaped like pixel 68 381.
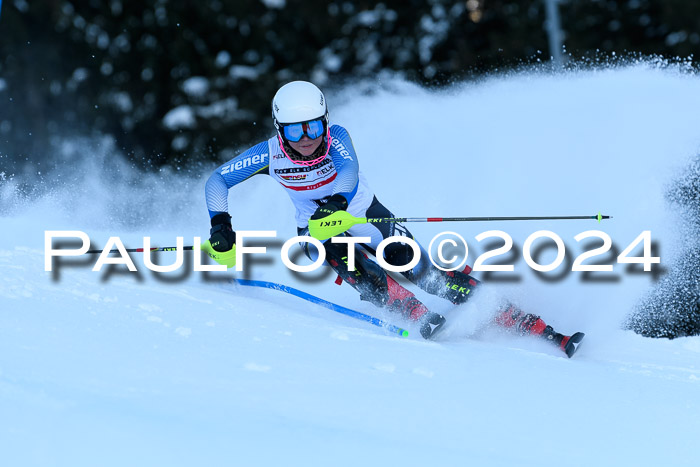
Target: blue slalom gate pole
pixel 325 303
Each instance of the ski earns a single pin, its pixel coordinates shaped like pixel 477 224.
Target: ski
pixel 432 325
pixel 324 303
pixel 573 343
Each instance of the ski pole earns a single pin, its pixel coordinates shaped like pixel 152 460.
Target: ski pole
pixel 379 220
pixel 340 221
pixel 141 250
pixel 325 303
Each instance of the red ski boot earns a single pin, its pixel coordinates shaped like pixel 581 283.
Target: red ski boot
pixel 403 301
pixel 526 323
pixel 377 287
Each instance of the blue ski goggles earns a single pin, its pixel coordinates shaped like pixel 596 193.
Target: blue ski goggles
pixel 295 131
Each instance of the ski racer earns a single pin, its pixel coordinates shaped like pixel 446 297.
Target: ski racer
pixel 316 164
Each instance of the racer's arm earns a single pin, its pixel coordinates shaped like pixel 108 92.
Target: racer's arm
pixel 255 160
pixel 346 165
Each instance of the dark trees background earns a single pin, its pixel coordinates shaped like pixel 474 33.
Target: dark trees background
pixel 672 308
pixel 174 78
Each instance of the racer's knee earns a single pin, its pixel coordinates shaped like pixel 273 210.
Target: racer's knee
pixel 398 254
pixel 401 254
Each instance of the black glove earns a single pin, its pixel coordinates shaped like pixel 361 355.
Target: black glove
pixel 335 203
pixel 222 237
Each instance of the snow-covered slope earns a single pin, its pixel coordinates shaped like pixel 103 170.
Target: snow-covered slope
pixel 119 368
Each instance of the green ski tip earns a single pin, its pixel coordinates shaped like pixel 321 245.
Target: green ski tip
pixel 600 218
pixel 404 333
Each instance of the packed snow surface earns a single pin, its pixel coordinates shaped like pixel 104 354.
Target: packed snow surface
pixel 117 368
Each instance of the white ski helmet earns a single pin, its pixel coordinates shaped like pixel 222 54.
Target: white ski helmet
pixel 299 102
